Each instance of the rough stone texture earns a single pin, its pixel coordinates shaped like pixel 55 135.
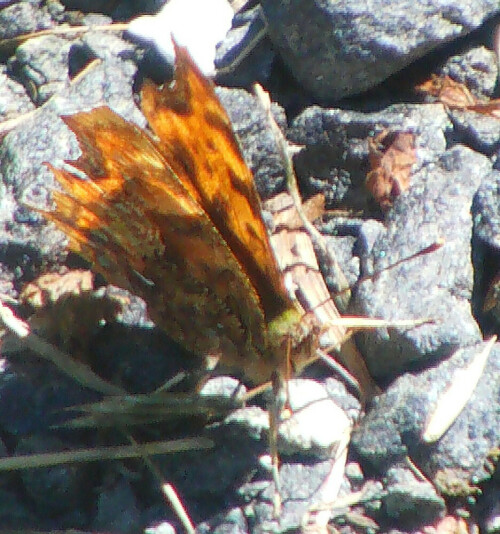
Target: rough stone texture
pixel 477 131
pixel 411 501
pixel 336 49
pixel 13 98
pixel 246 55
pixel 21 18
pixel 67 483
pixel 437 285
pixel 477 68
pixel 486 211
pixel 41 71
pixel 117 507
pixel 394 426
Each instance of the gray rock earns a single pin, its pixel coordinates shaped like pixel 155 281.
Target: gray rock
pixel 233 522
pixel 411 501
pixel 42 66
pixel 336 49
pixel 57 489
pixel 437 285
pixel 476 130
pixel 117 508
pixel 21 18
pixel 465 447
pixel 477 68
pixel 301 487
pixel 15 514
pixel 486 211
pixel 14 100
pixel 394 426
pixel 105 45
pixel 246 55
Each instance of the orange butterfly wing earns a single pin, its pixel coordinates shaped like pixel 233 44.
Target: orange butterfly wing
pixel 139 227
pixel 195 135
pixel 177 221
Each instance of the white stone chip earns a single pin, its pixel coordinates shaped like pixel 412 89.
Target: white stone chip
pixel 197 24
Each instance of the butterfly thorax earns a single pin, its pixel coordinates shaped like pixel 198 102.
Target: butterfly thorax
pixel 293 338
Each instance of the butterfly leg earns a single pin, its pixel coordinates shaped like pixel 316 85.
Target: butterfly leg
pixel 276 405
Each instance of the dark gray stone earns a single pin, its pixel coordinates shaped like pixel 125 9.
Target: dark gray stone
pixel 246 55
pixel 465 447
pixel 117 508
pixel 477 130
pixel 476 68
pixel 106 45
pixel 42 66
pixel 486 211
pixel 233 522
pixel 54 490
pixel 336 49
pixel 411 501
pixel 14 100
pixel 301 488
pixel 15 514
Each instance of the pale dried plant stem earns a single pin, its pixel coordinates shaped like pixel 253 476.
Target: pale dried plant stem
pixel 167 489
pixel 63 30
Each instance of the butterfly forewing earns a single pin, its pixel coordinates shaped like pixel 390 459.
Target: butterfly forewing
pixel 196 137
pixel 140 227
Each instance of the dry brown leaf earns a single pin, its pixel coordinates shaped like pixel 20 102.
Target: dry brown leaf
pixel 392 155
pixel 456 95
pixel 449 92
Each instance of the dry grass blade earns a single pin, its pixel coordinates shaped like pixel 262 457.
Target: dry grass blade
pixel 74 369
pixel 122 452
pixel 167 489
pixel 363 323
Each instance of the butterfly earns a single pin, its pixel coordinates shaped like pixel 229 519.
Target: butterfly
pixel 172 215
